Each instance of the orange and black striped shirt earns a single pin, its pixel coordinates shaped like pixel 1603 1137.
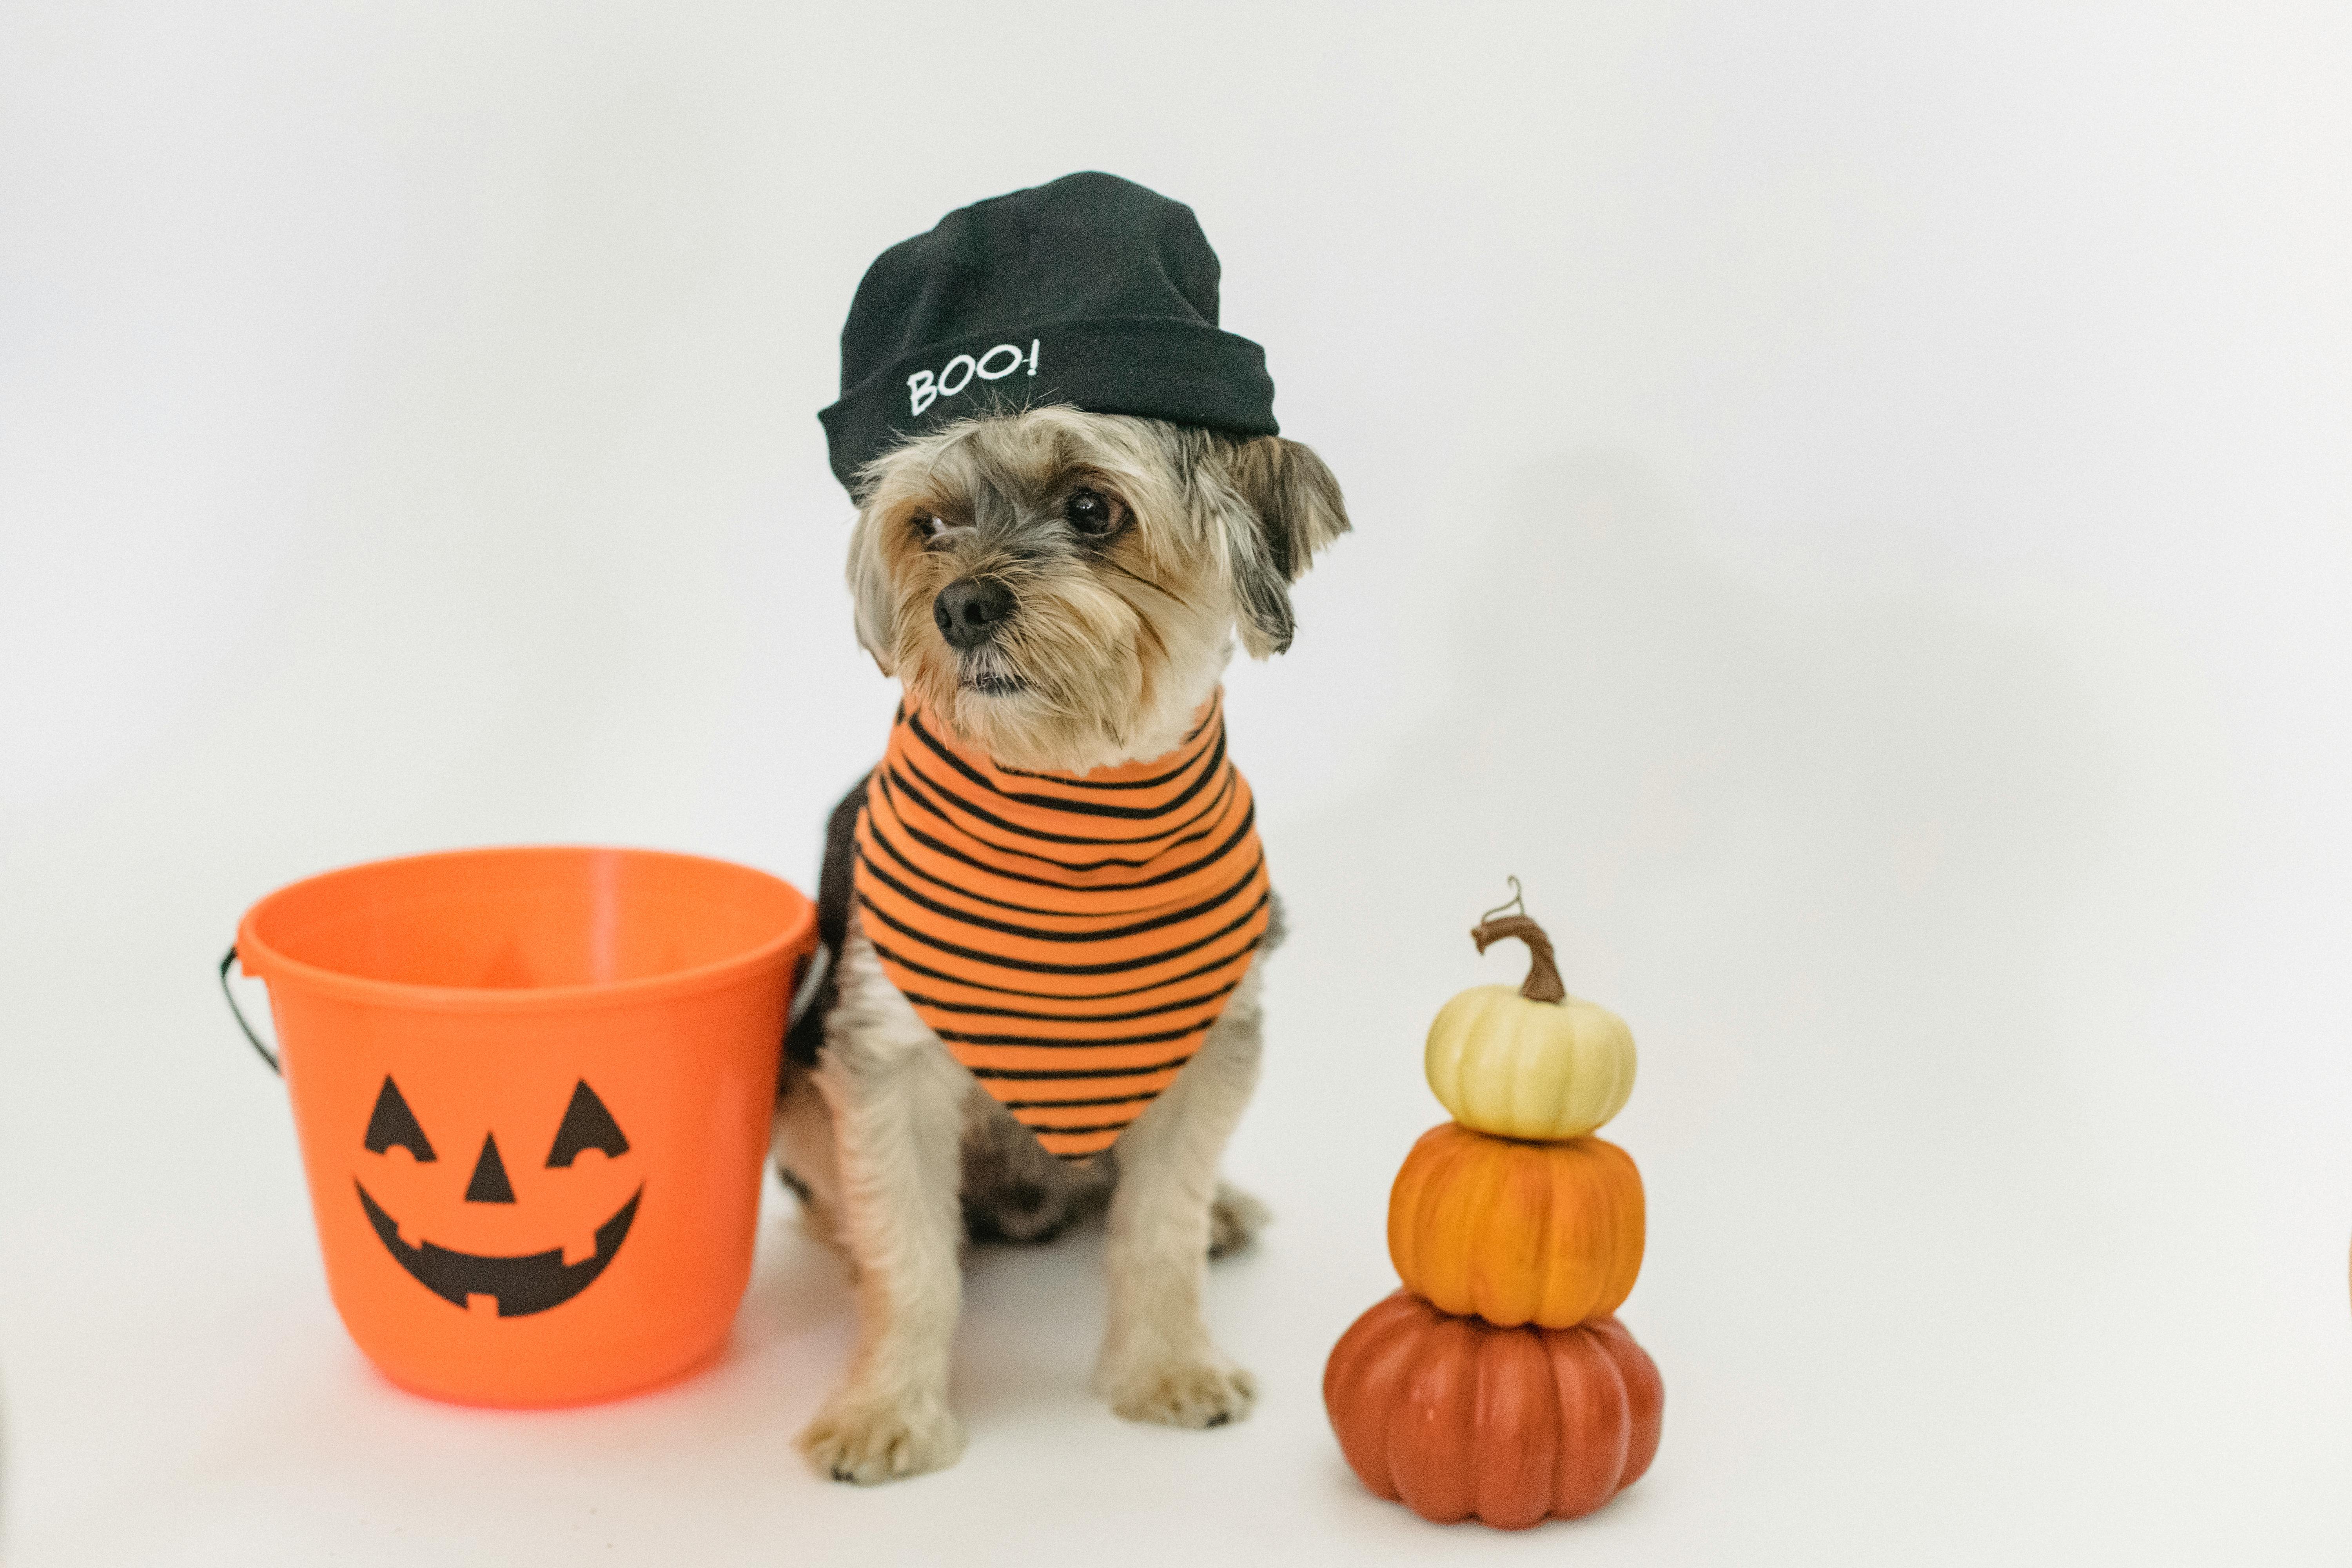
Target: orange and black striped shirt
pixel 1071 939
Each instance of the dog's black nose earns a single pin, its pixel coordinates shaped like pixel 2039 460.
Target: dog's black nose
pixel 968 612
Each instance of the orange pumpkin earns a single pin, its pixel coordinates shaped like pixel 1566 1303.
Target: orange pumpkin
pixel 1457 1419
pixel 1513 1232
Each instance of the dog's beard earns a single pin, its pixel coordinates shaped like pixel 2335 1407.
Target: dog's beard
pixel 1065 684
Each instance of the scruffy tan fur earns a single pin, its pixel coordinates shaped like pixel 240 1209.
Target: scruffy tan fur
pixel 1112 646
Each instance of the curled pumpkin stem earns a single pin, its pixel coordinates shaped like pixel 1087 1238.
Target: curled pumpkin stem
pixel 1542 984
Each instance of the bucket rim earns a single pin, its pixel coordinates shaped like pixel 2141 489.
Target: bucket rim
pixel 266 963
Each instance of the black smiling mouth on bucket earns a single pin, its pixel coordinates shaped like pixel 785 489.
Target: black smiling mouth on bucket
pixel 524 1285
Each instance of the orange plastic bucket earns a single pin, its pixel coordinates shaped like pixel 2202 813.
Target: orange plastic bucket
pixel 532 1088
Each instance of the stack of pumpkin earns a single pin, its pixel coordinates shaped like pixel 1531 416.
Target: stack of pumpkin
pixel 1495 1384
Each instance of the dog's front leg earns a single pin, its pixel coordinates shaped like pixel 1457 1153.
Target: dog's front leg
pixel 895 1098
pixel 1158 1363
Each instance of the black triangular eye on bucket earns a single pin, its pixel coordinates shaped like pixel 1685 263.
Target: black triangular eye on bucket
pixel 393 1124
pixel 587 1125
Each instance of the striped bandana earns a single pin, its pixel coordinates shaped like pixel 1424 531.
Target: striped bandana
pixel 1069 938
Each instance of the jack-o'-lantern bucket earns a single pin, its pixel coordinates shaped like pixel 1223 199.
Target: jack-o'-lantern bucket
pixel 532 1089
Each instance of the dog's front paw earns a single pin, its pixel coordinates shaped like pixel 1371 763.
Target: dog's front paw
pixel 1206 1393
pixel 870 1441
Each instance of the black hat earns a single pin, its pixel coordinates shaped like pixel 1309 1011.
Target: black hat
pixel 1091 292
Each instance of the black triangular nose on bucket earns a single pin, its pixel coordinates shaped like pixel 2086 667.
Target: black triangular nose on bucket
pixel 489 1184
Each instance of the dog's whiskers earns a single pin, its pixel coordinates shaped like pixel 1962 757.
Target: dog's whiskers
pixel 1156 587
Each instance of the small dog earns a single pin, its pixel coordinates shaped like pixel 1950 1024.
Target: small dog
pixel 1061 590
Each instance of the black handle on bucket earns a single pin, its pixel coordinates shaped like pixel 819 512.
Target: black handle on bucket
pixel 226 959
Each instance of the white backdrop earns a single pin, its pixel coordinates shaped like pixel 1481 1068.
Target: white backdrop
pixel 1852 508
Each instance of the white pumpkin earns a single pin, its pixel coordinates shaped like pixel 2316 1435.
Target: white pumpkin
pixel 1533 1063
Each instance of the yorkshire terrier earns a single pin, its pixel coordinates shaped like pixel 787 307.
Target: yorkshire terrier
pixel 1058 591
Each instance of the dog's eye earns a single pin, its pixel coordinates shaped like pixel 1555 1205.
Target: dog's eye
pixel 1093 513
pixel 928 525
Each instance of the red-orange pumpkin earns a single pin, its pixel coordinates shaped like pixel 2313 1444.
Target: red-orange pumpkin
pixel 1513 1232
pixel 1457 1419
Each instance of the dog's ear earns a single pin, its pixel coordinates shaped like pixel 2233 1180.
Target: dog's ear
pixel 1299 510
pixel 870 589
